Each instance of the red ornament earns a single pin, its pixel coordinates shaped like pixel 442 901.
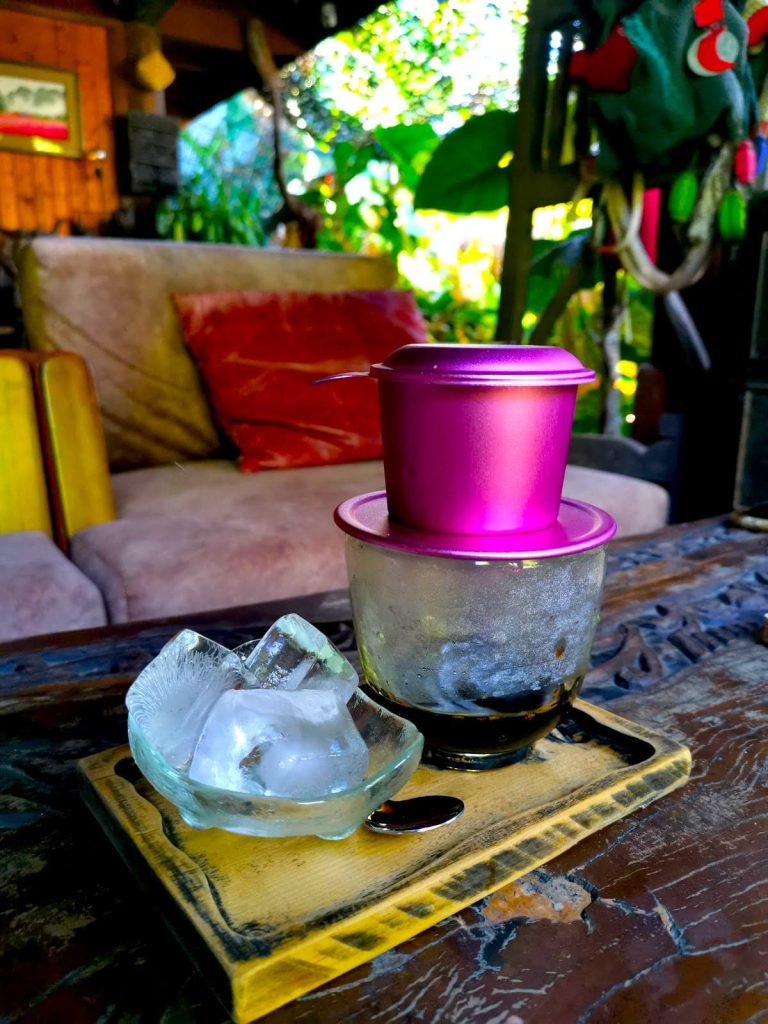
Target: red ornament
pixel 609 67
pixel 708 12
pixel 649 225
pixel 745 162
pixel 714 52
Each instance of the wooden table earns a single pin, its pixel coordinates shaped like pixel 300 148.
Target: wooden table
pixel 660 917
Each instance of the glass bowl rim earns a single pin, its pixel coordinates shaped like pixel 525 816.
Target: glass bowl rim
pixel 415 741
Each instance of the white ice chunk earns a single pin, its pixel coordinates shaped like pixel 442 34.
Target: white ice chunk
pixel 299 744
pixel 172 696
pixel 294 655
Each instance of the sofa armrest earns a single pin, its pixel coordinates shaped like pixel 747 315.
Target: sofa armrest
pixel 41 591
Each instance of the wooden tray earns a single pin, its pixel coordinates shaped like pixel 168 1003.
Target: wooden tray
pixel 267 920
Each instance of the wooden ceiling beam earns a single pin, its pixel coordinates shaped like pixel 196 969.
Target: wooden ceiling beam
pixel 204 40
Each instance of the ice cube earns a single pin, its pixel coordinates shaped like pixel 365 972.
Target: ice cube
pixel 298 744
pixel 172 696
pixel 293 655
pixel 246 649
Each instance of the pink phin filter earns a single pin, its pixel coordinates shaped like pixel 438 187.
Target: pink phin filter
pixel 476 436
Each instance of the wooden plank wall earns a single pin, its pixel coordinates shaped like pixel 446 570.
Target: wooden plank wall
pixel 36 191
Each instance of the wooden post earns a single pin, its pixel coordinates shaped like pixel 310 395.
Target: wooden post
pixel 531 184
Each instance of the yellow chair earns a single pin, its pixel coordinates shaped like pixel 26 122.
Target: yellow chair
pixel 54 474
pixel 23 489
pixel 73 437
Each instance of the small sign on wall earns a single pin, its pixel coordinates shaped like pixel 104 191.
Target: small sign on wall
pixel 147 154
pixel 39 110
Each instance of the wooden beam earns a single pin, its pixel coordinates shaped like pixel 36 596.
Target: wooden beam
pixel 63 10
pixel 518 246
pixel 219 25
pixel 196 21
pixel 530 183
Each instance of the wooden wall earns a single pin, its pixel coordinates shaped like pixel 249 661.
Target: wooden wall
pixel 35 190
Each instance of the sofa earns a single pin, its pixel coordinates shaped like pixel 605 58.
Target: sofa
pixel 191 532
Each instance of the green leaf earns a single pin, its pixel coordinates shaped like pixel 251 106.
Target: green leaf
pixel 463 175
pixel 548 253
pixel 391 233
pixel 409 147
pixel 551 261
pixel 343 154
pixel 350 160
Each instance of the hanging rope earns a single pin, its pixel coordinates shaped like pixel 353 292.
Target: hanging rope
pixel 625 217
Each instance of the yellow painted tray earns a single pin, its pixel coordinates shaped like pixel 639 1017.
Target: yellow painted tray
pixel 270 919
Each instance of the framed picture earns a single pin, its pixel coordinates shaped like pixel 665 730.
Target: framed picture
pixel 39 110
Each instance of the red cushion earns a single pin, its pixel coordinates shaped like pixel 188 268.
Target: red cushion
pixel 259 353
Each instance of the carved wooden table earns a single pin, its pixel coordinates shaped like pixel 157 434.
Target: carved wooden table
pixel 660 917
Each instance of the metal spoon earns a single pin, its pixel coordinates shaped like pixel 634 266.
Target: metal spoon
pixel 419 814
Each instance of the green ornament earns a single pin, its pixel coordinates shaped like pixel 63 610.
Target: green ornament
pixel 732 216
pixel 683 196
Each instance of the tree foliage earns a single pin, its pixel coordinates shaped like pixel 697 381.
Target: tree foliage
pixel 418 61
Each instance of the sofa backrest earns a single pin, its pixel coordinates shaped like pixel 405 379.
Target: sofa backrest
pixel 110 302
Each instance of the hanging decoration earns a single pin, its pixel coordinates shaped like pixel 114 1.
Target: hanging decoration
pixel 679 100
pixel 717 49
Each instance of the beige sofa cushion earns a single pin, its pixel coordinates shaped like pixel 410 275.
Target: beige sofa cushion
pixel 41 591
pixel 204 536
pixel 638 506
pixel 110 301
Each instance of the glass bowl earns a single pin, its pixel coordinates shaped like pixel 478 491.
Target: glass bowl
pixel 394 749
